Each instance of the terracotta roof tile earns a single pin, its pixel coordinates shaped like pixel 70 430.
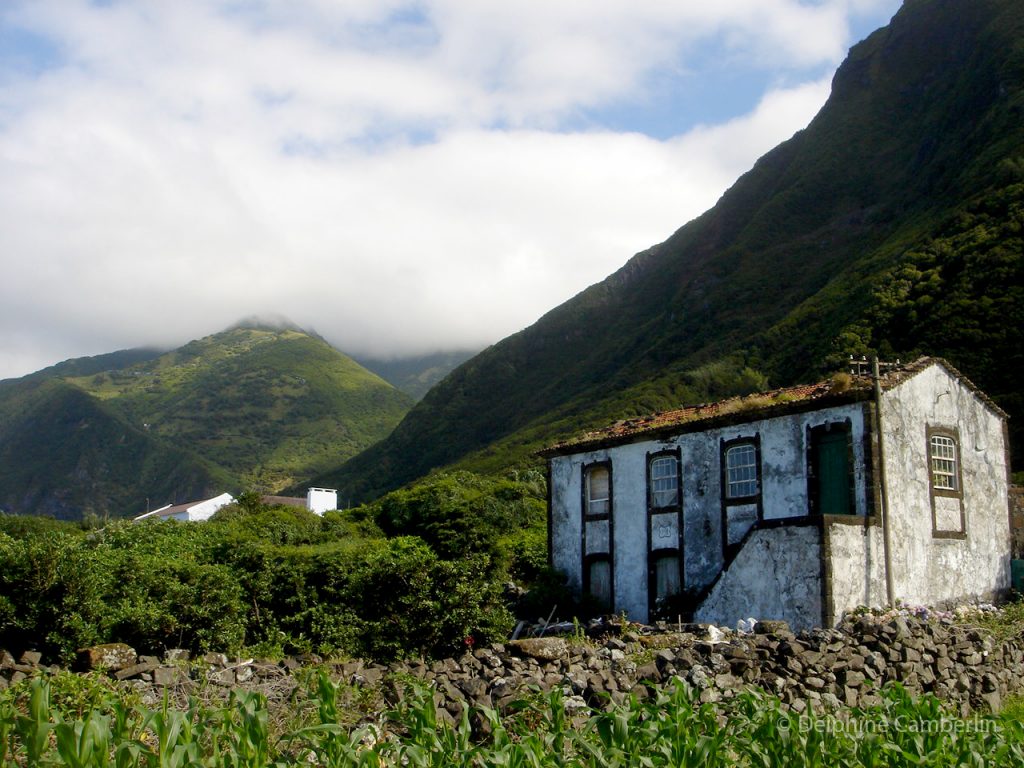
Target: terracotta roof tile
pixel 842 388
pixel 750 406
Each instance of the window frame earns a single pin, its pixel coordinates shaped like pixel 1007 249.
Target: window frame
pixel 587 501
pixel 754 443
pixel 654 558
pixel 587 559
pixel 652 458
pixel 588 562
pixel 952 434
pixel 754 464
pixel 938 446
pixel 676 509
pixel 729 550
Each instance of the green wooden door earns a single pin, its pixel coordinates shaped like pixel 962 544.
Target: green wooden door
pixel 833 473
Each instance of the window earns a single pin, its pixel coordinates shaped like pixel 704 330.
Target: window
pixel 599 582
pixel 598 535
pixel 943 454
pixel 666 578
pixel 741 491
pixel 945 480
pixel 664 482
pixel 597 493
pixel 741 471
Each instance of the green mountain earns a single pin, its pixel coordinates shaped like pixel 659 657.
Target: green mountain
pixel 892 223
pixel 254 403
pixel 65 454
pixel 415 374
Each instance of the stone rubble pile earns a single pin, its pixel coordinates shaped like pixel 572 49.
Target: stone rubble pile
pixel 823 669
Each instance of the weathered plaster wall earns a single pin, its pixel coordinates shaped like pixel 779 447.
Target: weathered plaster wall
pixel 928 569
pixel 777 575
pixel 566 522
pixel 855 563
pixel 784 447
pixel 783 443
pixel 629 511
pixel 629 522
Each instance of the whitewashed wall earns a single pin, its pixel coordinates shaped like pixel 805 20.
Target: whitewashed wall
pixel 783 442
pixel 777 575
pixel 204 510
pixel 856 568
pixel 928 569
pixel 320 500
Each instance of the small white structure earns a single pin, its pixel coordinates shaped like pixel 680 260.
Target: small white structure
pixel 320 500
pixel 317 501
pixel 191 512
pixel 796 504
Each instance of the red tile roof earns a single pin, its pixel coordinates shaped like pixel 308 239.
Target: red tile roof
pixel 839 389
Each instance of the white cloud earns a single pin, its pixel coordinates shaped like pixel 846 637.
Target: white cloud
pixel 395 175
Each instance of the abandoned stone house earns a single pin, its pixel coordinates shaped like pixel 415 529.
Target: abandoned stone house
pixel 797 504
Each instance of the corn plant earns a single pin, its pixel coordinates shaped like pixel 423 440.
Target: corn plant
pixel 671 728
pixel 33 729
pixel 7 715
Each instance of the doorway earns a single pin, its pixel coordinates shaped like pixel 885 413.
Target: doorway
pixel 830 470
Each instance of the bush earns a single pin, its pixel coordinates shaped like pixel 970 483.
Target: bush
pixel 414 603
pixel 55 594
pixel 459 514
pixel 282 578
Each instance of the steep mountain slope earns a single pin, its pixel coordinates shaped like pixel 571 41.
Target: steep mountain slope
pixel 276 402
pixel 924 125
pixel 416 374
pixel 83 366
pixel 64 454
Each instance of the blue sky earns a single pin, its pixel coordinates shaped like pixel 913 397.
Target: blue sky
pixel 401 176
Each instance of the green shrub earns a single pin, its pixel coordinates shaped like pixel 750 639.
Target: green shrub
pixel 272 525
pixel 527 553
pixel 414 603
pixel 281 579
pixel 55 594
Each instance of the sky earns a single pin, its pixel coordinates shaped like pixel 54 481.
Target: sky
pixel 402 177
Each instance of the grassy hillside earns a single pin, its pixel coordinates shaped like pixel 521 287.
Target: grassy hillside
pixel 279 399
pixel 208 417
pixel 64 454
pixel 415 375
pixel 924 125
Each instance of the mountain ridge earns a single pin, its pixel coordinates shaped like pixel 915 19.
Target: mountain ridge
pixel 922 115
pixel 251 404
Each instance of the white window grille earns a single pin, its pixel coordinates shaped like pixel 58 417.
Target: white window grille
pixel 943 461
pixel 598 491
pixel 664 482
pixel 741 471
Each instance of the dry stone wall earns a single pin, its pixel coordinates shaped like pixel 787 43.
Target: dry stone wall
pixel 822 669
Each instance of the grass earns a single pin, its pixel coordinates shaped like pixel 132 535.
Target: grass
pixel 283 397
pixel 669 729
pixel 1003 624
